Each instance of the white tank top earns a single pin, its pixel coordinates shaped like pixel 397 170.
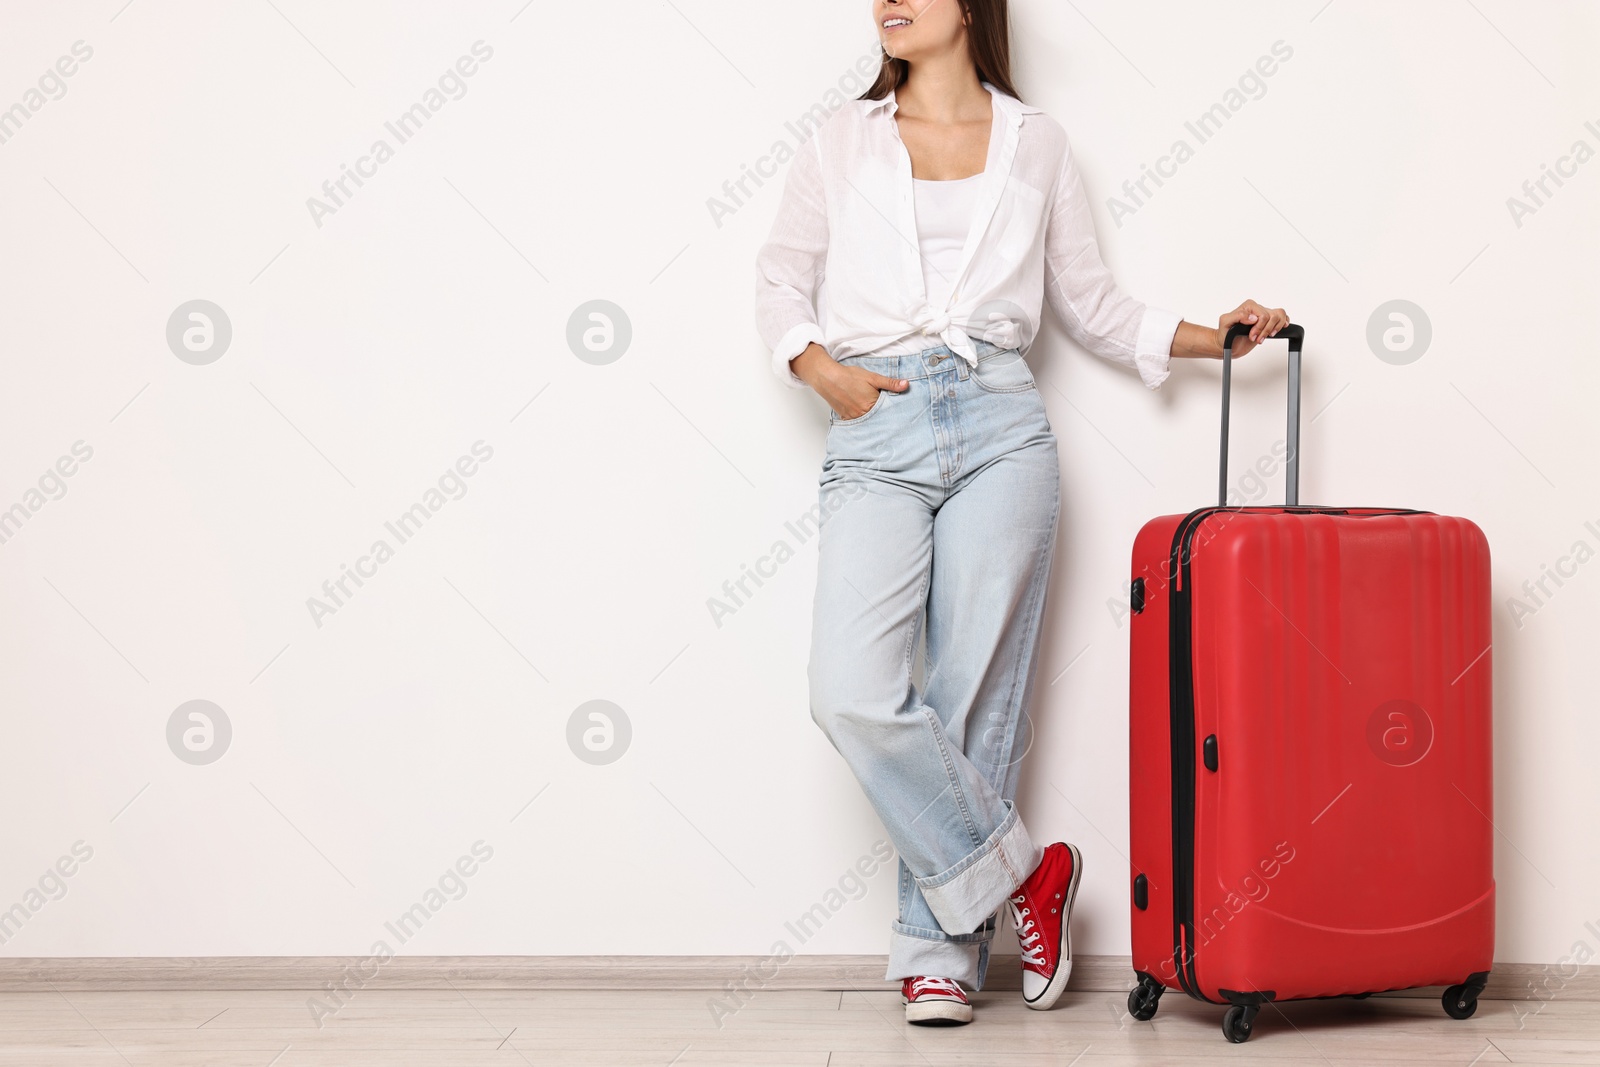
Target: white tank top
pixel 944 215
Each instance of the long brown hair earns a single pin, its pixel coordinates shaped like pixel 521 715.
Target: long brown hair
pixel 988 42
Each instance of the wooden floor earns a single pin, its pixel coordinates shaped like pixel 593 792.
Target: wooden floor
pixel 655 1028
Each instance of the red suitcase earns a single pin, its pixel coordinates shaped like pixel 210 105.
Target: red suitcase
pixel 1311 779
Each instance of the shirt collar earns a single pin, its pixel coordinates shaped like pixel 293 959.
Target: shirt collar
pixel 1008 105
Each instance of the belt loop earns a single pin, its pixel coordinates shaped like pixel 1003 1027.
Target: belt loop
pixel 963 368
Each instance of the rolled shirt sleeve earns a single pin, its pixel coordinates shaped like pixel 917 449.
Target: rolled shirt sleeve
pixel 790 263
pixel 1153 356
pixel 1083 293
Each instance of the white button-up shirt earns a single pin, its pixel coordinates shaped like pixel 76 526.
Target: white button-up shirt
pixel 842 266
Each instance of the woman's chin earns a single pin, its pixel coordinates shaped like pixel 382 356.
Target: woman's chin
pixel 894 42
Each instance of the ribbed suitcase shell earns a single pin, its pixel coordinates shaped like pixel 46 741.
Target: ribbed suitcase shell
pixel 1343 843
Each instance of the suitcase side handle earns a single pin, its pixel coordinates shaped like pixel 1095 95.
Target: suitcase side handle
pixel 1296 336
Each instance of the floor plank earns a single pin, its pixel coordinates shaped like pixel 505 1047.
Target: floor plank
pixel 773 1028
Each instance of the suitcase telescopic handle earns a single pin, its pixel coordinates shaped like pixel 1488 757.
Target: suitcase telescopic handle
pixel 1296 336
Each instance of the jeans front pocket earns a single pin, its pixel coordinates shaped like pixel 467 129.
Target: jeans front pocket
pixel 1003 372
pixel 877 406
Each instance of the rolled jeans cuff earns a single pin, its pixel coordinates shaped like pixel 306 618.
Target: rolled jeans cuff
pixel 962 897
pixel 963 957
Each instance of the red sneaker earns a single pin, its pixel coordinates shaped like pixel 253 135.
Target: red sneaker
pixel 935 1002
pixel 1040 907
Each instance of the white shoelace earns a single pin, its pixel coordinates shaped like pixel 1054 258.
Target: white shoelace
pixel 944 986
pixel 1027 934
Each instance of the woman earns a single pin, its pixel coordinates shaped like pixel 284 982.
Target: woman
pixel 942 212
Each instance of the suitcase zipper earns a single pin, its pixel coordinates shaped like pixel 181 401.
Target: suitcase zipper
pixel 1180 680
pixel 1181 729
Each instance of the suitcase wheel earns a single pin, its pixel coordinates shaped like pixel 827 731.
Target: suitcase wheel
pixel 1144 998
pixel 1238 1021
pixel 1460 1002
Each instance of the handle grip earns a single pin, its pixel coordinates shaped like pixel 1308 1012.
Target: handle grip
pixel 1296 336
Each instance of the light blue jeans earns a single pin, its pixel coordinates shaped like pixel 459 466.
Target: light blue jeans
pixel 939 510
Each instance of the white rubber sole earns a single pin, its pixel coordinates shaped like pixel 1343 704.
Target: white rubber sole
pixel 1058 981
pixel 937 1012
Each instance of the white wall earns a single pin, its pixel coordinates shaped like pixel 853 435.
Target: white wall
pixel 370 352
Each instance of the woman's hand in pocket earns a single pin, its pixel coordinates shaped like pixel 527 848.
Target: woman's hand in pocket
pixel 852 391
pixel 849 391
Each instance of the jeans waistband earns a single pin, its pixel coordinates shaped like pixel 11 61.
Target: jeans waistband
pixel 930 361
